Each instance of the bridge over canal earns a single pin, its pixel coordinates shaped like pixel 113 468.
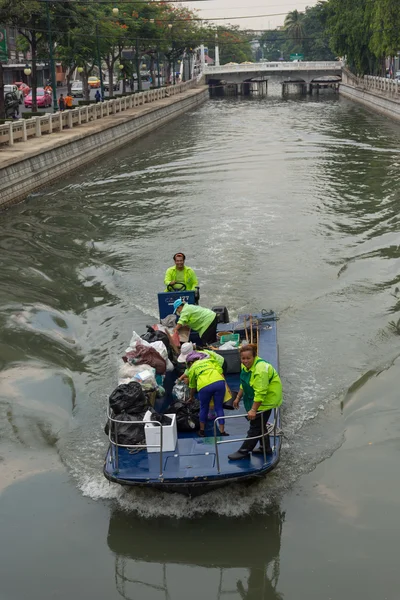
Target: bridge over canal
pixel 252 76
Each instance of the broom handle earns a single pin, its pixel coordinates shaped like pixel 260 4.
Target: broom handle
pixel 245 329
pixel 258 337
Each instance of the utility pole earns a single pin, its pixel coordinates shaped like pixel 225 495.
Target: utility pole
pixel 158 68
pixel 139 79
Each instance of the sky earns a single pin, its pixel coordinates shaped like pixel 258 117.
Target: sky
pixel 275 10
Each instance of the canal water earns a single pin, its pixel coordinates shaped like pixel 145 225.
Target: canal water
pixel 287 204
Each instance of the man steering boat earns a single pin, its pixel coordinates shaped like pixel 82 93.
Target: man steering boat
pixel 180 278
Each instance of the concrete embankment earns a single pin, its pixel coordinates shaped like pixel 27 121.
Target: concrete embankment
pixel 375 93
pixel 27 166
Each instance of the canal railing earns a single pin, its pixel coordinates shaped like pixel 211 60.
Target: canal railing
pixel 23 129
pixel 370 83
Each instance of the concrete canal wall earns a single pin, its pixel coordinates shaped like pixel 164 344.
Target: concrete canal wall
pixel 377 93
pixel 29 165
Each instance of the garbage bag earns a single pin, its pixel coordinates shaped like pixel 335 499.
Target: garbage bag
pixel 136 339
pixel 128 433
pixel 153 335
pixel 181 391
pixel 128 397
pixel 132 434
pixel 169 321
pixel 129 371
pixel 146 355
pixel 187 415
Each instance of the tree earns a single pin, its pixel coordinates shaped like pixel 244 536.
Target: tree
pixel 234 44
pixel 294 26
pixel 385 24
pixel 272 44
pixel 350 29
pixel 316 42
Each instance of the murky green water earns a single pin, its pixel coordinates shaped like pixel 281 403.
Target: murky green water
pixel 287 204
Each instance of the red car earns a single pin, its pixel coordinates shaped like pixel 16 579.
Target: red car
pixel 43 99
pixel 23 87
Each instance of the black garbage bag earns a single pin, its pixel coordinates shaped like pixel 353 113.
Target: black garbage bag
pixel 163 419
pixel 130 398
pixel 187 415
pixel 154 335
pixel 129 433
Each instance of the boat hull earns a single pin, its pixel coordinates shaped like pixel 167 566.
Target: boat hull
pixel 192 489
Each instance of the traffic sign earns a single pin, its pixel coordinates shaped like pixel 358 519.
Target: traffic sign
pixel 297 56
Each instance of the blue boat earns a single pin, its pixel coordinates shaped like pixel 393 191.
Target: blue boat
pixel 198 465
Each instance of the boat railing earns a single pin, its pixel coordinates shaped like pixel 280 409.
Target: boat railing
pixel 272 428
pixel 115 445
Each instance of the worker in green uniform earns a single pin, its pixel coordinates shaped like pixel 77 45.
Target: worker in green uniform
pixel 261 390
pixel 205 377
pixel 180 277
pixel 202 320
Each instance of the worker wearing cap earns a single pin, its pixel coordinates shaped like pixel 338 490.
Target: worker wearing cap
pixel 181 275
pixel 188 347
pixel 202 320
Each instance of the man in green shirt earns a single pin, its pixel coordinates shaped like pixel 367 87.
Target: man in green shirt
pixel 202 320
pixel 184 278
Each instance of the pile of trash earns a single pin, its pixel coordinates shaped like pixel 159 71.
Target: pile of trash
pixel 128 404
pixel 140 381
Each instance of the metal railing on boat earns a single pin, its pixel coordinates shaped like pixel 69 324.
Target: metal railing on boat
pixel 271 427
pixel 115 445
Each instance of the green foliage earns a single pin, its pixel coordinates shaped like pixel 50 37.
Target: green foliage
pixel 234 44
pixel 349 26
pixel 294 26
pixel 385 23
pixel 304 33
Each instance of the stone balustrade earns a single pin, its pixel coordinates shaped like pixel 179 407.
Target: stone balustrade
pixel 370 83
pixel 23 129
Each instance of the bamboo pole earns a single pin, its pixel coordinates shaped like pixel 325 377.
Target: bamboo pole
pixel 245 329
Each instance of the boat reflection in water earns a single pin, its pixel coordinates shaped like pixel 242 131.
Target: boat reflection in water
pixel 189 560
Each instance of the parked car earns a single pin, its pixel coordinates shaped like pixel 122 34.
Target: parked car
pixel 11 104
pixel 77 89
pixel 106 85
pixel 23 87
pixel 43 99
pixel 94 82
pixel 11 87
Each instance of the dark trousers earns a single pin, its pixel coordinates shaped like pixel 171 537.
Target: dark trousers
pixel 210 334
pixel 255 430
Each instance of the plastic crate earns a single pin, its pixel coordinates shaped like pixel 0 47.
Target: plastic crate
pixel 230 337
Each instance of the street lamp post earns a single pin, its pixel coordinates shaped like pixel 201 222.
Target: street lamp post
pixel 52 65
pixel 99 63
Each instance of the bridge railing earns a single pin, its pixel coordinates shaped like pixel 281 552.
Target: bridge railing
pixel 276 66
pixel 23 129
pixel 381 85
